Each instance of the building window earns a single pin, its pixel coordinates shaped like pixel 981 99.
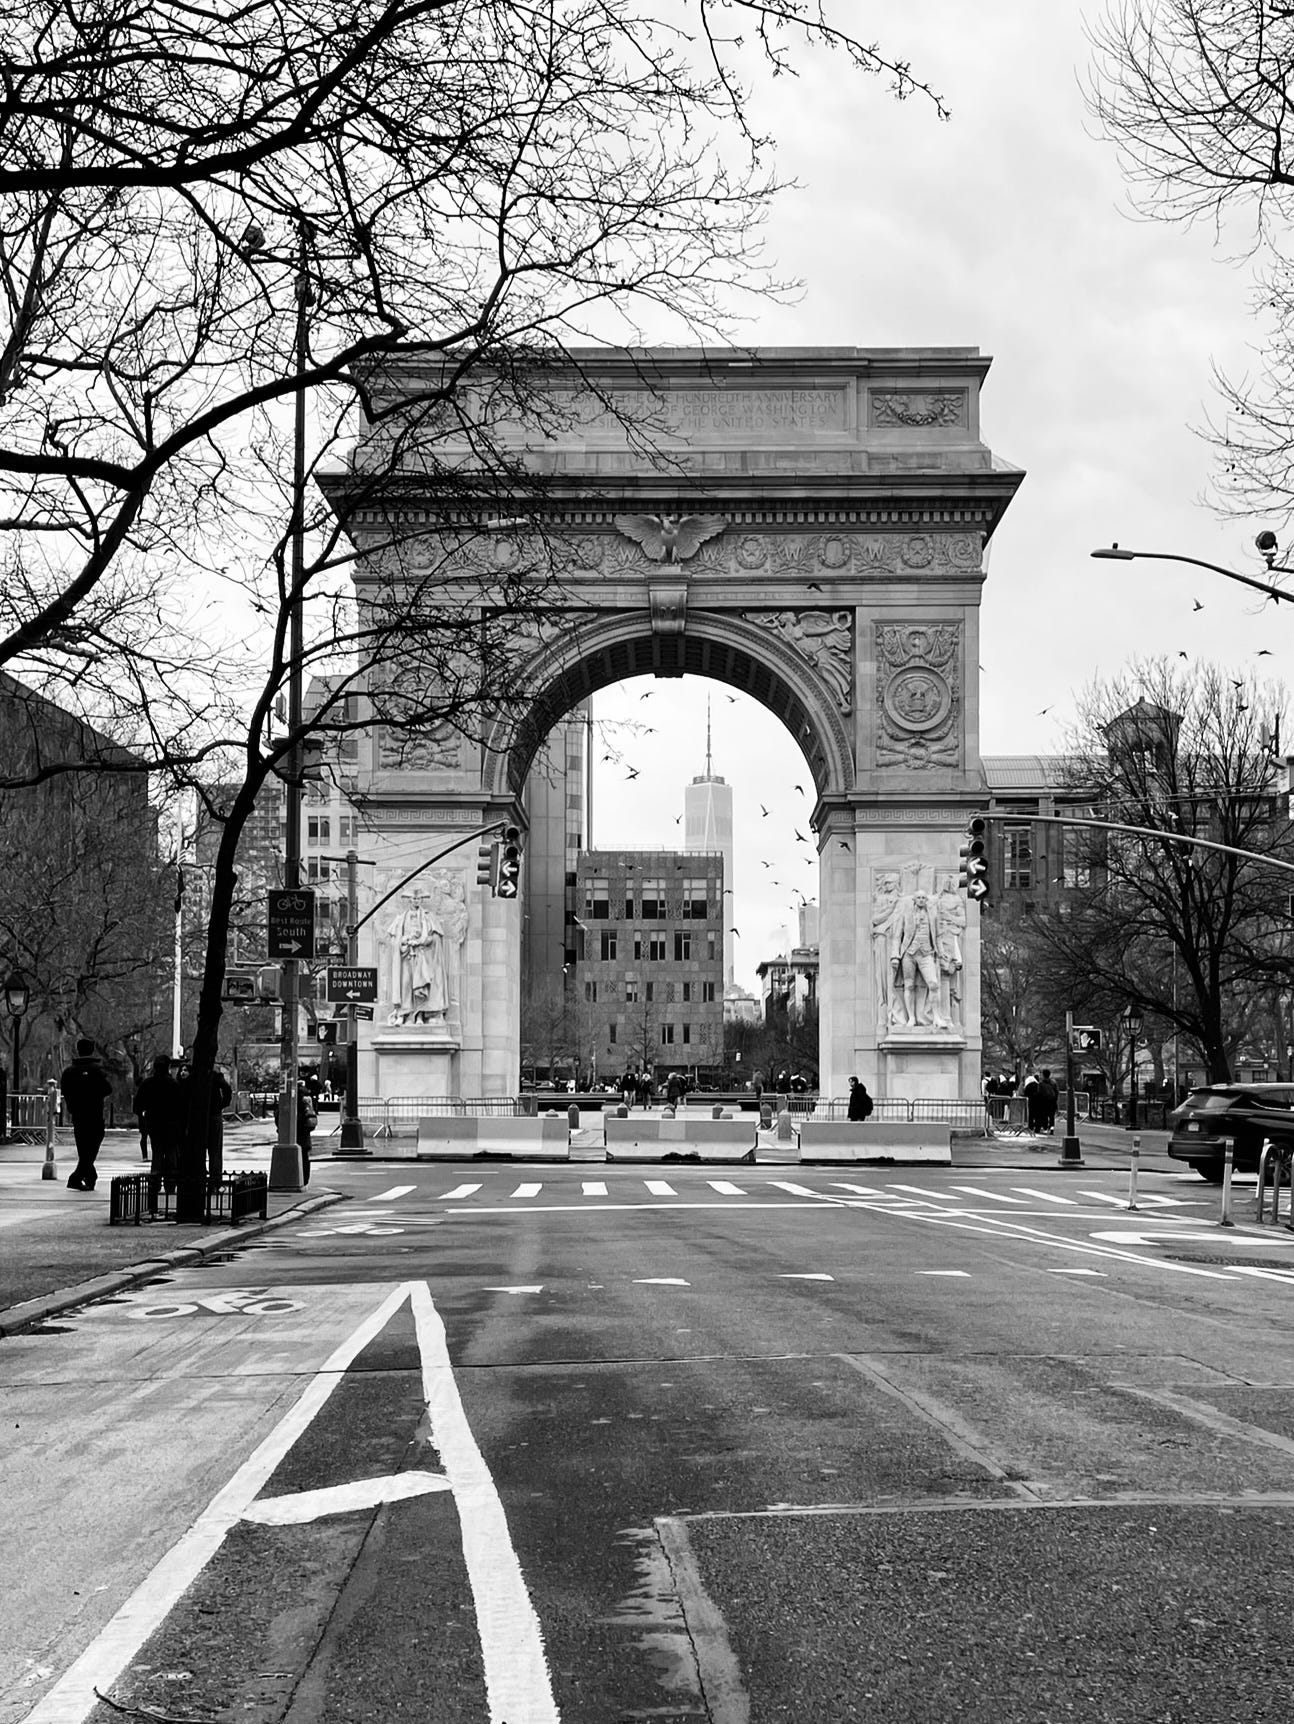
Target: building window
pixel 638 948
pixel 608 945
pixel 319 829
pixel 629 908
pixel 611 1034
pixel 631 991
pixel 653 900
pixel 575 841
pixel 711 946
pixel 696 904
pixel 651 992
pixel 667 1035
pixel 1018 855
pixel 687 993
pixel 1075 868
pixel 682 946
pixel 707 993
pixel 687 1032
pixel 591 991
pixel 597 897
pixel 656 948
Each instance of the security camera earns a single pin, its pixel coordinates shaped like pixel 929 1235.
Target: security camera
pixel 1266 543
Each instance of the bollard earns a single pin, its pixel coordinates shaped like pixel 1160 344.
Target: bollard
pixel 1228 1168
pixel 49 1170
pixel 784 1126
pixel 765 1116
pixel 572 1118
pixel 1132 1173
pixel 716 1112
pixel 622 1112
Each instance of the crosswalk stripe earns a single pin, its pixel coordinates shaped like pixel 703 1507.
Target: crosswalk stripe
pixel 1046 1196
pixel 594 1188
pixel 458 1191
pixel 528 1191
pixel 1104 1197
pixel 795 1190
pixel 390 1196
pixel 921 1191
pixel 993 1196
pixel 858 1190
pixel 660 1188
pixel 725 1188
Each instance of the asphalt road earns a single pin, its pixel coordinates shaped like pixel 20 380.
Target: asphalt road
pixel 599 1443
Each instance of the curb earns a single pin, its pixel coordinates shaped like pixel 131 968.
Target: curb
pixel 19 1317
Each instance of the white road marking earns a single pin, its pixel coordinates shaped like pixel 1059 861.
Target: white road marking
pixel 594 1188
pixel 660 1281
pixel 458 1191
pixel 538 1289
pixel 858 1190
pixel 795 1190
pixel 993 1196
pixel 528 1191
pixel 1104 1197
pixel 390 1196
pixel 949 1274
pixel 1064 1269
pixel 1141 1236
pixel 814 1276
pixel 924 1194
pixel 517 1682
pixel 660 1188
pixel 1266 1274
pixel 726 1188
pixel 304 1506
pixel 1046 1196
pixel 74 1695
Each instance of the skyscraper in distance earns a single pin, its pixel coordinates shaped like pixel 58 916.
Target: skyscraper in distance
pixel 707 825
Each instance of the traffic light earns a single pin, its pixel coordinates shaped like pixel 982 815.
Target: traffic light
pixel 487 866
pixel 508 882
pixel 974 876
pixel 326 1032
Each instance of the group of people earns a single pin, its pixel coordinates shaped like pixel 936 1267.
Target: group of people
pixel 1041 1098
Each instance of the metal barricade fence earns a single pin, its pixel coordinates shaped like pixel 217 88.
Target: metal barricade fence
pixel 26 1119
pixel 398 1116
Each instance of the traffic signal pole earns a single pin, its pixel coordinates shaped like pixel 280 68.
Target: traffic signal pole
pixel 1071 1151
pixel 352 1127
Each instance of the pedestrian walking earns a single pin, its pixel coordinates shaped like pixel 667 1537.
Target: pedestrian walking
pixel 219 1099
pixel 85 1088
pixel 644 1088
pixel 757 1083
pixel 860 1103
pixel 1048 1101
pixel 1032 1102
pixel 159 1108
pixel 306 1122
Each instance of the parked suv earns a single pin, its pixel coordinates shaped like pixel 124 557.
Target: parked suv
pixel 1248 1112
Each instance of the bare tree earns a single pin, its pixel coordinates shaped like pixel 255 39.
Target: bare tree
pixel 1199 97
pixel 1195 937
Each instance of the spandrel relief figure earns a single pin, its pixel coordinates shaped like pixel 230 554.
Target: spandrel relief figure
pixel 422 946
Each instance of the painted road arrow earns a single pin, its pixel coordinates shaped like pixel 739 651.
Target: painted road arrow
pixel 514 1289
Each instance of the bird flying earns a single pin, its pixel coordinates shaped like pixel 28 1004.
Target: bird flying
pixel 632 772
pixel 763 811
pixel 1196 605
pixel 800 788
pixel 802 839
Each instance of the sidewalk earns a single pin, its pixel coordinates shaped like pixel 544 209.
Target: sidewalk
pixel 57 1249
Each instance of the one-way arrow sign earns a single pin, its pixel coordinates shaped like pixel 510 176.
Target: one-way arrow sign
pixel 352 984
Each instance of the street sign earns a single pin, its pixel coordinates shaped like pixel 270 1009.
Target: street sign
pixel 363 1013
pixel 291 921
pixel 351 984
pixel 240 985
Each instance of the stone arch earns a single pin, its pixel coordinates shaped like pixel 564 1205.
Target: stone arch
pixel 719 647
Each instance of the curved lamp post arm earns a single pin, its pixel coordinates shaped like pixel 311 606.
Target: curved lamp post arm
pixel 1116 553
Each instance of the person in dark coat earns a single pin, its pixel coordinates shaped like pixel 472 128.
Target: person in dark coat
pixel 159 1109
pixel 85 1088
pixel 305 1125
pixel 1048 1101
pixel 860 1103
pixel 644 1088
pixel 220 1098
pixel 674 1089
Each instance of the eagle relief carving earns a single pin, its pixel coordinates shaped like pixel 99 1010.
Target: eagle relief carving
pixel 670 538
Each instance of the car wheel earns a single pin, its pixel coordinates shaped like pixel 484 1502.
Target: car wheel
pixel 1210 1170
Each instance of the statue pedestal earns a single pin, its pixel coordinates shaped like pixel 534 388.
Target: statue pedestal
pixel 416 1059
pixel 922 1063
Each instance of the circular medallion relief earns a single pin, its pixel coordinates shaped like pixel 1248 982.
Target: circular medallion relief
pixel 752 552
pixel 833 551
pixel 919 551
pixel 587 551
pixel 918 699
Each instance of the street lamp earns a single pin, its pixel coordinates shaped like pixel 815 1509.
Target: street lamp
pixel 1132 1023
pixel 17 997
pixel 1265 541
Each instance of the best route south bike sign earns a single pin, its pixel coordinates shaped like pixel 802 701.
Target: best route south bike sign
pixel 290 920
pixel 352 984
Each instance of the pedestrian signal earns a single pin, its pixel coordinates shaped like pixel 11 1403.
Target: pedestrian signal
pixel 1085 1039
pixel 508 883
pixel 974 876
pixel 326 1032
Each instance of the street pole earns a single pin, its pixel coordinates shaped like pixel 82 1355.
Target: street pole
pixel 1071 1151
pixel 352 1127
pixel 285 1163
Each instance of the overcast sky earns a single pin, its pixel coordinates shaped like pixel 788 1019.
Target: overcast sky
pixel 1006 228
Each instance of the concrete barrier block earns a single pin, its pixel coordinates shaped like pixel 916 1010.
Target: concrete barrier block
pixel 452 1139
pixel 637 1138
pixel 856 1141
pixel 546 1139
